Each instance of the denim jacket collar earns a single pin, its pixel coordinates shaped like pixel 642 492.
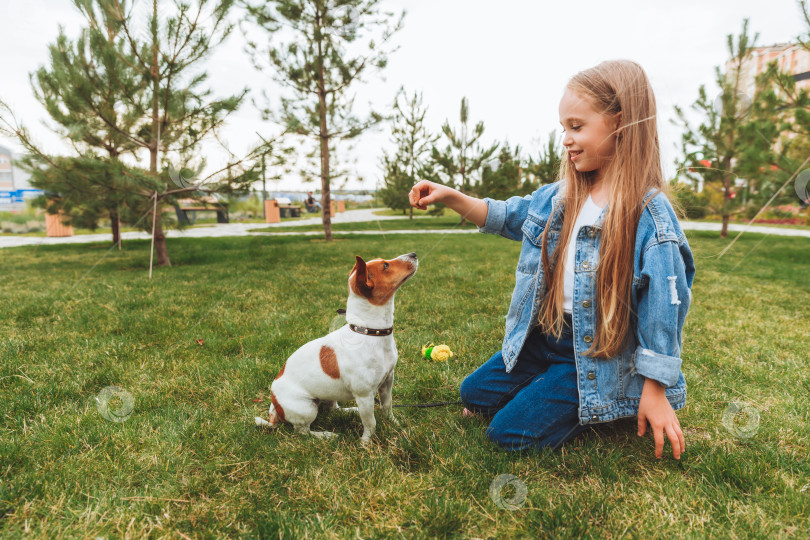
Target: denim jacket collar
pixel 559 200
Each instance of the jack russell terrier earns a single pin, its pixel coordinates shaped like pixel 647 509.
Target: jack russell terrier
pixel 353 362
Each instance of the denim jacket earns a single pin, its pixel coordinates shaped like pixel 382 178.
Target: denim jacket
pixel 663 270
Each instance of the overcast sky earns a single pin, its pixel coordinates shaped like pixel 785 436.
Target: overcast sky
pixel 511 62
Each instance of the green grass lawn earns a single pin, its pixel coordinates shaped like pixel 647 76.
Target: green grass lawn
pixel 199 344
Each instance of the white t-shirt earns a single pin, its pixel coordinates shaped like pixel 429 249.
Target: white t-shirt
pixel 587 216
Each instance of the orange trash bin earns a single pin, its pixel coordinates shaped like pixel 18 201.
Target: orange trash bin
pixel 54 226
pixel 272 212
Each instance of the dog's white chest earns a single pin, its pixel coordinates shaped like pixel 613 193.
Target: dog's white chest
pixel 375 354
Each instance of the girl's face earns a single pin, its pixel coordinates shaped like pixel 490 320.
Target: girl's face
pixel 589 136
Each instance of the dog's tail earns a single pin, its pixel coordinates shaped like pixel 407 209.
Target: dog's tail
pixel 274 420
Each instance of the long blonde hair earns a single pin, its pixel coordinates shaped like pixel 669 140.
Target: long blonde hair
pixel 610 87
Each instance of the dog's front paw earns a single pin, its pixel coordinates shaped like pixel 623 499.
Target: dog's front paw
pixel 393 419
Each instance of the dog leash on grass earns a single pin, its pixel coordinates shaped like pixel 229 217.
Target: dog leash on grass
pixel 437 404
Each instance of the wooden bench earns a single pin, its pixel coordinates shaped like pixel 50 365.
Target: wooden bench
pixel 289 210
pixel 185 207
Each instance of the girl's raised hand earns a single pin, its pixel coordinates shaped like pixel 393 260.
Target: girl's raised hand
pixel 426 192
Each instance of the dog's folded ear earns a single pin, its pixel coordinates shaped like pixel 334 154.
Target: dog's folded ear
pixel 361 283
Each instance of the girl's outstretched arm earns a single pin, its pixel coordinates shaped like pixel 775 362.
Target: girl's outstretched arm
pixel 492 216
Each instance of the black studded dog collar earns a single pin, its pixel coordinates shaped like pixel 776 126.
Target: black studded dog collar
pixel 368 331
pixel 372 331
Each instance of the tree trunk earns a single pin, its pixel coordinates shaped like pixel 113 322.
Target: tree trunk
pixel 324 135
pixel 154 147
pixel 726 198
pixel 160 240
pixel 115 224
pixel 115 219
pixel 326 201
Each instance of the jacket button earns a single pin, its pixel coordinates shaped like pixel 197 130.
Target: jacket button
pixel 594 418
pixel 585 265
pixel 591 233
pixel 591 375
pixel 586 303
pixel 587 339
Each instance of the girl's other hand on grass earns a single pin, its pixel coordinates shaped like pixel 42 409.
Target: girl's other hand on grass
pixel 655 408
pixel 426 192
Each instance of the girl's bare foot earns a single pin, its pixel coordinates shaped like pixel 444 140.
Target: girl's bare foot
pixel 468 412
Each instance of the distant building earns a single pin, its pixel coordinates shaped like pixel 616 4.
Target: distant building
pixel 14 186
pixel 6 175
pixel 791 58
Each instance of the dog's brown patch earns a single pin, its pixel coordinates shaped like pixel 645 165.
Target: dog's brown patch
pixel 329 363
pixel 279 411
pixel 280 373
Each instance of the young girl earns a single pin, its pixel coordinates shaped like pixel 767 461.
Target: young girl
pixel 603 282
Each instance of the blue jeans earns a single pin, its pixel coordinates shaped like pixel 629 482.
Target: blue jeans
pixel 534 405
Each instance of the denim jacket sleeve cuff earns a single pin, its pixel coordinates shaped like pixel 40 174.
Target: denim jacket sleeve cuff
pixel 496 216
pixel 664 369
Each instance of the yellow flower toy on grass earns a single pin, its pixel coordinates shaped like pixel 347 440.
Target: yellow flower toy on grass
pixel 438 353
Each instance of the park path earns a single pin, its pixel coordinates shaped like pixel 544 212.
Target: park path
pixel 350 216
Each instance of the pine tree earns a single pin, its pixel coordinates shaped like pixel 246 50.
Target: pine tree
pixel 546 169
pixel 463 156
pixel 83 77
pixel 86 188
pixel 164 110
pixel 319 65
pixel 411 159
pixel 504 180
pixel 725 137
pixel 173 112
pixel 396 185
pixel 782 113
